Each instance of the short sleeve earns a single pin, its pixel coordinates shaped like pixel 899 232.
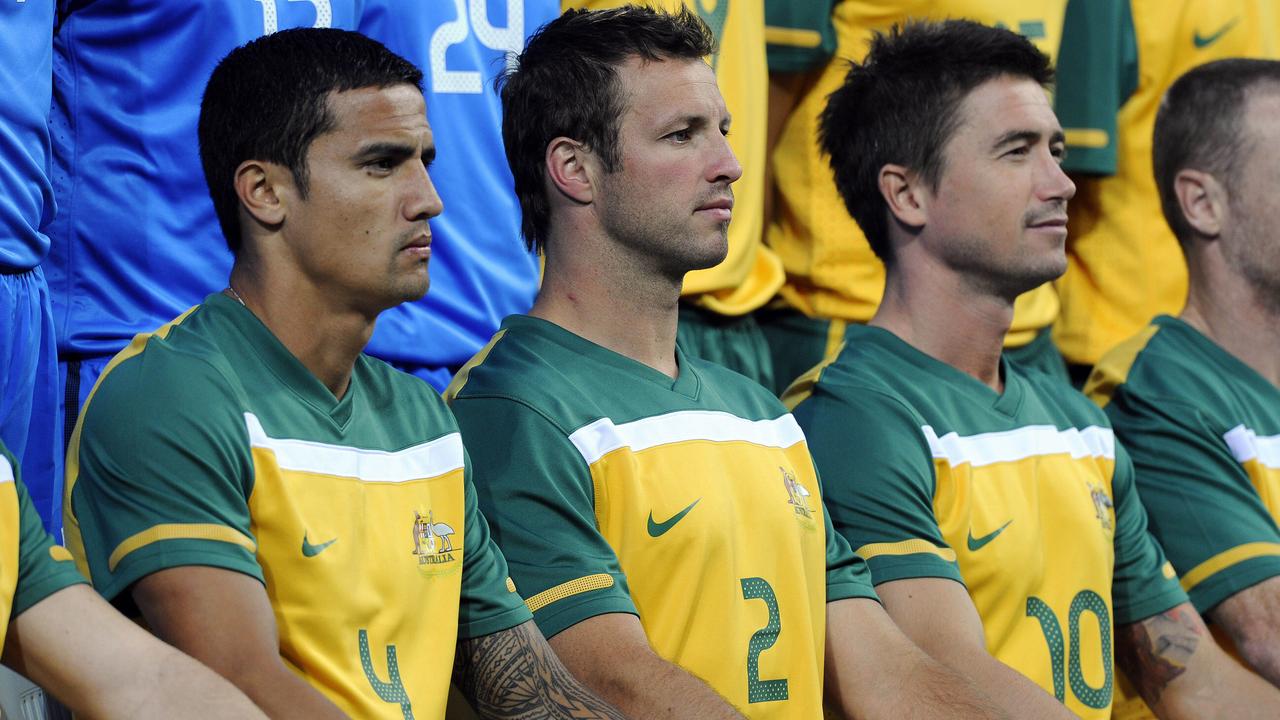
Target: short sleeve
pixel 164 474
pixel 799 34
pixel 847 574
pixel 1144 584
pixel 489 600
pixel 1097 72
pixel 536 492
pixel 1202 506
pixel 43 567
pixel 878 477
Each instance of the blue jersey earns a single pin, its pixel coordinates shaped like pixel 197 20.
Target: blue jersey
pixel 136 241
pixel 26 197
pixel 480 270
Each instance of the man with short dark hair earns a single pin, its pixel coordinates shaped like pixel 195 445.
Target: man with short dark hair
pixel 996 511
pixel 1196 398
pixel 661 512
pixel 247 467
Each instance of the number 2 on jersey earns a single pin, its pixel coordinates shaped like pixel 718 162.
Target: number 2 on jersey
pixel 763 690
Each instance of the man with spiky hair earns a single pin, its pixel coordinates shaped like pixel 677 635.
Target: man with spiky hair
pixel 661 513
pixel 247 467
pixel 994 506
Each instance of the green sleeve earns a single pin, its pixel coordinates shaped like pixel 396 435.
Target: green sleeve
pixel 488 604
pixel 879 481
pixel 847 574
pixel 43 567
pixel 1201 502
pixel 535 490
pixel 1143 583
pixel 165 474
pixel 799 34
pixel 1097 72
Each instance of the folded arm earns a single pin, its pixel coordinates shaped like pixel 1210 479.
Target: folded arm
pixel 100 664
pixel 874 671
pixel 939 616
pixel 193 607
pixel 1181 672
pixel 612 655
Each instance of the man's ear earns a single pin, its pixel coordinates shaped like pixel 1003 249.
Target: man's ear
pixel 903 191
pixel 263 188
pixel 571 168
pixel 1203 201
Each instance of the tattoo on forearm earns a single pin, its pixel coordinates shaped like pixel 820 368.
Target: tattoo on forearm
pixel 1157 650
pixel 514 674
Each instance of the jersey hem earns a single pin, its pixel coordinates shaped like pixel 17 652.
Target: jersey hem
pixel 28 598
pixel 890 569
pixel 154 558
pixel 845 590
pixel 504 620
pixel 1211 591
pixel 559 619
pixel 1147 608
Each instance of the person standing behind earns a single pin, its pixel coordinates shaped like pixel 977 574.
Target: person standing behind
pixel 661 513
pixel 717 303
pixel 1196 398
pixel 1124 266
pixel 480 273
pixel 834 278
pixel 993 504
pixel 28 353
pixel 58 632
pixel 247 466
pixel 135 242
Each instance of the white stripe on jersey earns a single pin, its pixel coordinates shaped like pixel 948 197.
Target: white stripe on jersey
pixel 1247 445
pixel 602 437
pixel 426 460
pixel 1020 444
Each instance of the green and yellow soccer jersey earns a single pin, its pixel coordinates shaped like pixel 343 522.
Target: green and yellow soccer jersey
pixel 691 503
pixel 751 274
pixel 31 567
pixel 1023 496
pixel 1204 432
pixel 208 443
pixel 1118 58
pixel 831 270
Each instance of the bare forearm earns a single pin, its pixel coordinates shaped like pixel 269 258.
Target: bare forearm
pixel 1182 674
pixel 1262 653
pixel 514 674
pixel 1014 693
pixel 175 687
pixel 663 690
pixel 1252 618
pixel 918 688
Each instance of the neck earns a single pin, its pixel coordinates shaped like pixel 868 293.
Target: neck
pixel 942 316
pixel 326 340
pixel 1231 313
pixel 613 301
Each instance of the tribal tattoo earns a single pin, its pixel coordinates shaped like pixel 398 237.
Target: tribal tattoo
pixel 515 674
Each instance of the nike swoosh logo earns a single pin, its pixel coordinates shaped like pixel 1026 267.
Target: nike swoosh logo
pixel 657 529
pixel 976 544
pixel 1204 41
pixel 309 550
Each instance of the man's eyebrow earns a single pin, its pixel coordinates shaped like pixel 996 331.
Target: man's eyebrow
pixel 1028 136
pixel 390 150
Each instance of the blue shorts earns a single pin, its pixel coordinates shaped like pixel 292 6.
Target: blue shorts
pixel 30 410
